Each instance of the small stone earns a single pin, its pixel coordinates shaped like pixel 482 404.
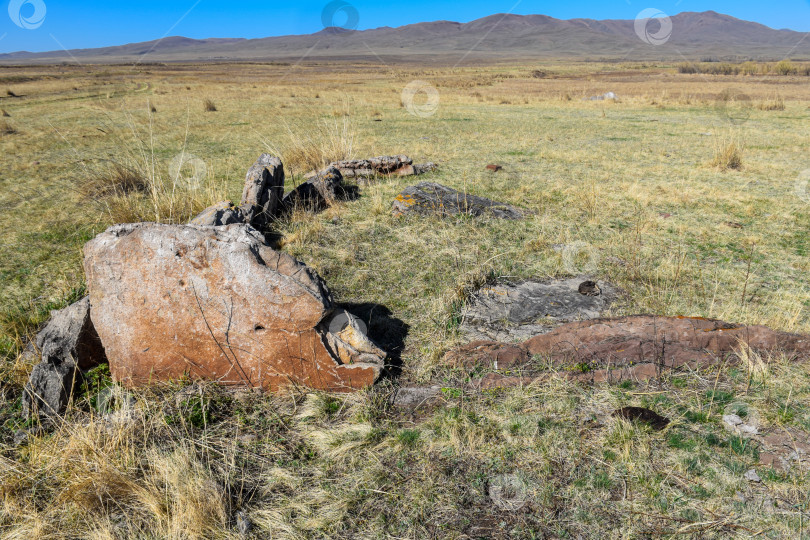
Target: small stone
pixel 423 168
pixel 222 213
pixel 494 168
pixel 243 523
pixel 589 288
pixel 20 437
pixel 732 420
pixel 752 476
pixel 413 396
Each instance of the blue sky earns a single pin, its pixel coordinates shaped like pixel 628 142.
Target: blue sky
pixel 54 24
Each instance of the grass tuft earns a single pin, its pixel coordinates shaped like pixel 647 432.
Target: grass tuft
pixel 209 105
pixel 728 154
pixel 308 148
pixel 6 128
pixel 774 104
pixel 115 179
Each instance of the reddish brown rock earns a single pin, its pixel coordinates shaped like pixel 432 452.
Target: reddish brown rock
pixel 492 381
pixel 632 348
pixel 668 341
pixel 494 168
pixel 487 353
pixel 218 303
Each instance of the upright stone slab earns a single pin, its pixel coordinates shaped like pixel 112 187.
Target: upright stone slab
pixel 264 189
pixel 68 344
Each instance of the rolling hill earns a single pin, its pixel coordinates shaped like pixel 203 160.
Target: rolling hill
pixel 494 38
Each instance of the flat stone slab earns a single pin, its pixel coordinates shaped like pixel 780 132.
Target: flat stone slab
pixel 639 347
pixel 429 198
pixel 368 169
pixel 516 312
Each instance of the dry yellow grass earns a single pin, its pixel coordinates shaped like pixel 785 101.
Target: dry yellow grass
pixel 728 153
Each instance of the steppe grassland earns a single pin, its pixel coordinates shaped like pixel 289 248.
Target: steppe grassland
pixel 632 185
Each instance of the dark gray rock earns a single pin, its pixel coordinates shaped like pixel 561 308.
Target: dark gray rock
pixel 50 388
pixel 316 193
pixel 264 188
pixel 20 437
pixel 428 198
pixel 222 213
pixel 69 334
pixel 319 192
pixel 68 344
pixel 516 312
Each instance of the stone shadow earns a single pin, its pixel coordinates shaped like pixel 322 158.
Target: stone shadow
pixel 385 330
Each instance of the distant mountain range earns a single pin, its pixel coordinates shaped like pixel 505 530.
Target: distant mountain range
pixel 694 36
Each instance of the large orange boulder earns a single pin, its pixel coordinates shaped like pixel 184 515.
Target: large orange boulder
pixel 218 303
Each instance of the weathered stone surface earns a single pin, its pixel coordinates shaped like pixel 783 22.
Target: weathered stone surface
pixel 50 387
pixel 317 193
pixel 68 344
pixel 382 165
pixel 222 213
pixel 218 303
pixel 435 199
pixel 515 312
pixel 626 348
pixel 491 354
pixel 414 396
pixel 669 341
pixel 423 168
pixel 784 448
pixel 379 166
pixel 264 189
